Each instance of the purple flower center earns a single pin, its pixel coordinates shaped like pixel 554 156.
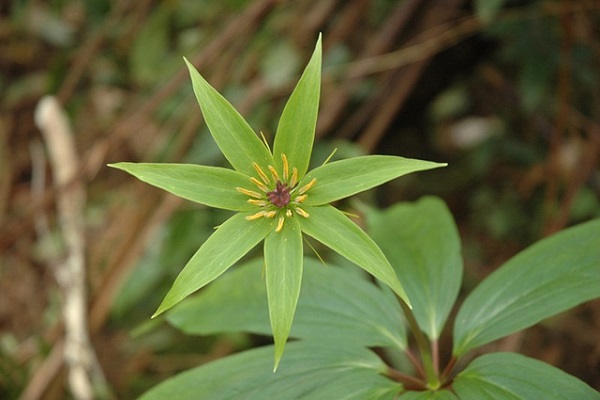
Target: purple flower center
pixel 279 197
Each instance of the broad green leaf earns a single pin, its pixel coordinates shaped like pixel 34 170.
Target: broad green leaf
pixel 332 228
pixel 283 270
pixel 437 395
pixel 230 242
pixel 423 246
pixel 340 179
pixel 236 139
pixel 511 376
pixel 211 186
pixel 551 276
pixel 296 130
pixel 309 371
pixel 334 306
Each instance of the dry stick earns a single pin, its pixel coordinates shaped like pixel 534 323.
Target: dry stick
pixel 332 110
pixel 406 78
pixel 70 273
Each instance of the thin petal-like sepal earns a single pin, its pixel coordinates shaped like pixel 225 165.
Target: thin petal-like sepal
pixel 331 227
pixel 211 186
pixel 296 129
pixel 236 139
pixel 283 270
pixel 344 178
pixel 230 242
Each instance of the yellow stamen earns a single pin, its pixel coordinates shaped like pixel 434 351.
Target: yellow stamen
pixel 256 202
pixel 294 179
pixel 270 214
pixel 280 224
pixel 274 173
pixel 258 215
pixel 264 139
pixel 250 193
pixel 286 167
pixel 300 199
pixel 259 184
pixel 305 188
pixel 288 213
pixel 301 212
pixel 263 176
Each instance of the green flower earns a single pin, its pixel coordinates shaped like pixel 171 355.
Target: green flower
pixel 275 198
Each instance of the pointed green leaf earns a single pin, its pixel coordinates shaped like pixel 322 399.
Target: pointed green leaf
pixel 344 178
pixel 422 243
pixel 513 376
pixel 551 276
pixel 234 238
pixel 211 186
pixel 334 306
pixel 236 139
pixel 296 130
pixel 283 270
pixel 309 371
pixel 332 228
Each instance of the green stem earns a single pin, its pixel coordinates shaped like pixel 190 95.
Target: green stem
pixel 433 381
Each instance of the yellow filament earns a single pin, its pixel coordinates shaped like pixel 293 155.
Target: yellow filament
pixel 258 215
pixel 263 176
pixel 286 167
pixel 305 188
pixel 274 173
pixel 260 185
pixel 299 199
pixel 294 179
pixel 250 193
pixel 280 224
pixel 256 202
pixel 301 212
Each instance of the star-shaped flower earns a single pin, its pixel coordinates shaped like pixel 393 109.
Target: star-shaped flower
pixel 275 198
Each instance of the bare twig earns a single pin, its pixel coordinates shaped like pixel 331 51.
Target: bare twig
pixel 70 272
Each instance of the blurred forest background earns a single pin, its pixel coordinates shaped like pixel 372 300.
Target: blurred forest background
pixel 506 91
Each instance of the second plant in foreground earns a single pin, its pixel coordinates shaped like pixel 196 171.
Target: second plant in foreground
pixel 275 198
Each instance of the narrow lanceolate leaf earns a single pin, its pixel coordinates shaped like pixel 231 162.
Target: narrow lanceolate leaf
pixel 549 277
pixel 296 131
pixel 211 186
pixel 513 376
pixel 234 238
pixel 344 178
pixel 283 271
pixel 236 139
pixel 422 243
pixel 332 228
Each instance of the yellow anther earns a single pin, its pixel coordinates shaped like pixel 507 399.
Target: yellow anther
pixel 299 199
pixel 263 176
pixel 288 213
pixel 294 179
pixel 259 185
pixel 280 224
pixel 256 202
pixel 305 188
pixel 286 167
pixel 250 193
pixel 274 173
pixel 258 215
pixel 301 212
pixel 270 214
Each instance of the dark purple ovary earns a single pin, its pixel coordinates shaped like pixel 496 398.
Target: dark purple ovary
pixel 280 197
